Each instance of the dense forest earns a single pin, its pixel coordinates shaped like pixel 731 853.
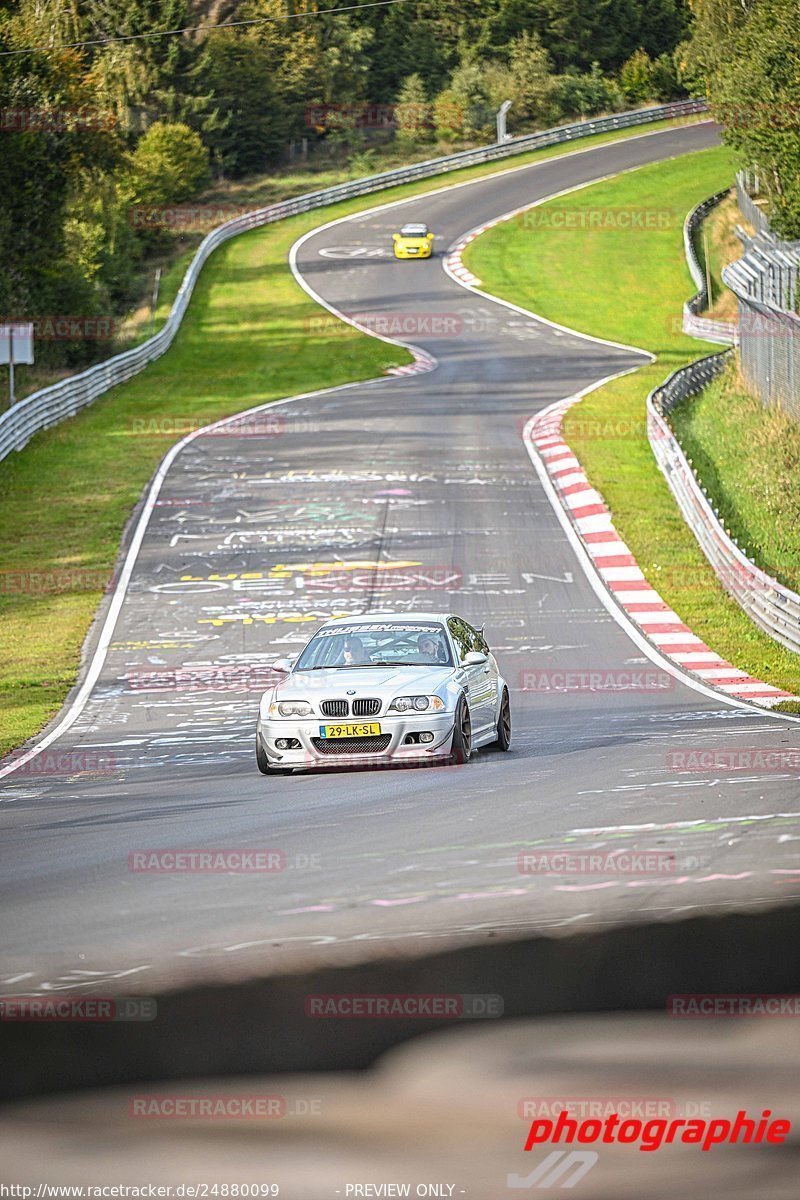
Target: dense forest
pixel 107 106
pixel 745 56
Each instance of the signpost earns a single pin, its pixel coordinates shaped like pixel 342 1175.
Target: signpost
pixel 502 135
pixel 16 346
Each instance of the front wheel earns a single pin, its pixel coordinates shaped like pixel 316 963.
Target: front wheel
pixel 462 734
pixel 503 740
pixel 262 762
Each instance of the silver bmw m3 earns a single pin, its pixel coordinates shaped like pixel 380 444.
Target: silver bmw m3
pixel 384 688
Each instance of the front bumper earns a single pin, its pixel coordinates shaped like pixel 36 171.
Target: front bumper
pixel 406 252
pixel 396 727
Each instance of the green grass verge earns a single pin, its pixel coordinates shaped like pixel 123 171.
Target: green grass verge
pixel 630 287
pixel 747 457
pixel 717 233
pixel 65 498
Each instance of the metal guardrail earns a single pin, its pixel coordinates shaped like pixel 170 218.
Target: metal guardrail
pixel 773 607
pixel 766 283
pixel 707 328
pixel 53 404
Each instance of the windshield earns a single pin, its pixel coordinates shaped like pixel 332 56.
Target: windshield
pixel 365 644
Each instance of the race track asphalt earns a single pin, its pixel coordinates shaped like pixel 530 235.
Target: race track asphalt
pixel 427 472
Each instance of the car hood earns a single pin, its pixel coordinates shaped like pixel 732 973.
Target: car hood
pixel 367 681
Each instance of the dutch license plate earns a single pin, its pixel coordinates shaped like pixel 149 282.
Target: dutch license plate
pixel 368 729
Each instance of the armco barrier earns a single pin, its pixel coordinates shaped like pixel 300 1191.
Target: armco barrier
pixel 773 607
pixel 61 400
pixel 709 330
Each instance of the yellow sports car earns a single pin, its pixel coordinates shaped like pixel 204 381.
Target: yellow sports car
pixel 413 241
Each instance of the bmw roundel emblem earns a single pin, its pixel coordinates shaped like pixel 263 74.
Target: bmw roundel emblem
pixel 351 691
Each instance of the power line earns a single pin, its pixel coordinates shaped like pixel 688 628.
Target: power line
pixel 134 37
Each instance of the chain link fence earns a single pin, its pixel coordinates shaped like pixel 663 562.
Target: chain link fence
pixel 765 282
pixel 53 404
pixel 773 607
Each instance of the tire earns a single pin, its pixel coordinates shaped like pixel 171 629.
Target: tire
pixel 262 762
pixel 503 740
pixel 462 734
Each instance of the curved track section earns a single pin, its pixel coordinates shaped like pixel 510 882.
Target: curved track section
pixel 401 493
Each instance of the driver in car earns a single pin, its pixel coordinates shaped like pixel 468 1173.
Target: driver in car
pixel 354 653
pixel 428 647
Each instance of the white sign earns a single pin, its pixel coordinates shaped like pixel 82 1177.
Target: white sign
pixel 16 342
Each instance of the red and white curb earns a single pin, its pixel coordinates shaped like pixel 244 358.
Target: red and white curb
pixel 421 365
pixel 453 260
pixel 621 574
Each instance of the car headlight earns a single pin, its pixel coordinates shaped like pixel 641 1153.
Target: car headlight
pixel 416 704
pixel 290 708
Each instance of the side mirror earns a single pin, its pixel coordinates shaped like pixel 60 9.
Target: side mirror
pixel 282 665
pixel 395 237
pixel 475 659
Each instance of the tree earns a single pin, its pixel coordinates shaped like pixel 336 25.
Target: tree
pixel 169 165
pixel 470 93
pixel 153 77
pixel 413 111
pixel 406 41
pixel 664 81
pixel 342 59
pixel 258 123
pixel 705 56
pixel 511 20
pixel 580 32
pixel 531 70
pixel 756 94
pixel 54 140
pixel 449 116
pixel 662 24
pixel 635 77
pixel 578 94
